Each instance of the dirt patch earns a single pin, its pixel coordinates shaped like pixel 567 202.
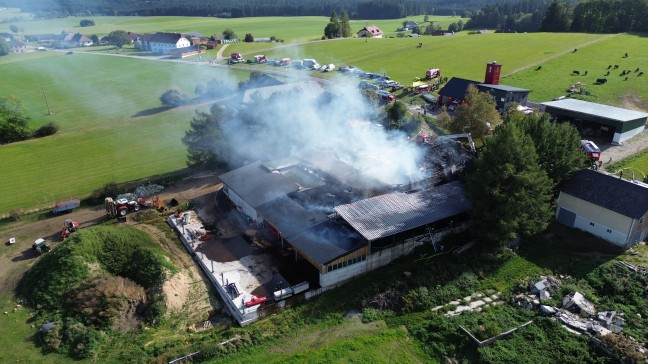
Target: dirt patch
pixel 631 100
pixel 176 289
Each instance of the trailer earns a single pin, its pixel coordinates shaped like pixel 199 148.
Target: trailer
pixel 66 205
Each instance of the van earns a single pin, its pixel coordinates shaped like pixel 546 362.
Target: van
pixel 310 63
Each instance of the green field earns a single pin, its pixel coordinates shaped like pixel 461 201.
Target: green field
pixel 113 130
pixel 293 29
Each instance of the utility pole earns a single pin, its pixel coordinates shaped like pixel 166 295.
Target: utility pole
pixel 46 103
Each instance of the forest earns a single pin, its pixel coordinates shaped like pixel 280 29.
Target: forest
pixel 357 9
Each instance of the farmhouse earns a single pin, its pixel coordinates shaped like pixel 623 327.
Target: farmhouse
pixel 164 43
pixel 337 219
pixel 17 47
pixel 607 206
pixel 455 89
pixel 613 124
pixel 370 32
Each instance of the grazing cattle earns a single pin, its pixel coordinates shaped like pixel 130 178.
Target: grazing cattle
pixel 637 70
pixel 640 74
pixel 600 81
pixel 608 73
pixel 622 74
pixel 616 66
pixel 538 68
pixel 585 74
pixel 609 66
pixel 575 49
pixel 574 72
pixel 626 79
pixel 626 55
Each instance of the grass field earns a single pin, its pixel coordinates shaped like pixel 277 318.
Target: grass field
pixel 113 130
pixel 293 29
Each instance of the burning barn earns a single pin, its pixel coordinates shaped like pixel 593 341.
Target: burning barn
pixel 344 221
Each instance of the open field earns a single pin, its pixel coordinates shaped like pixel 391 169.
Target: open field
pixel 293 29
pixel 113 130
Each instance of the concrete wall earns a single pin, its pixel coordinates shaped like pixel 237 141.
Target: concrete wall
pixel 241 205
pixel 383 257
pixel 620 138
pixel 597 220
pixel 242 318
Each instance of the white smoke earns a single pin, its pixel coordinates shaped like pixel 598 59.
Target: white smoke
pixel 300 118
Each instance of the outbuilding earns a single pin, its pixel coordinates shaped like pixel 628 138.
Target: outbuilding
pixel 614 124
pixel 605 205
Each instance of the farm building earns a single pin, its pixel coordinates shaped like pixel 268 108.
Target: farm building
pixel 17 47
pixel 505 95
pixel 455 89
pixel 370 32
pixel 163 43
pixel 338 221
pixel 613 124
pixel 607 206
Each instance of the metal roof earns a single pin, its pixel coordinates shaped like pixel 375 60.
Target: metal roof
pixel 456 88
pixel 591 108
pixel 289 217
pixel 327 241
pixel 608 191
pixel 503 87
pixel 396 212
pixel 256 185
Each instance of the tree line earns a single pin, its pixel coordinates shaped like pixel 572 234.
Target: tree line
pixel 357 9
pixel 595 16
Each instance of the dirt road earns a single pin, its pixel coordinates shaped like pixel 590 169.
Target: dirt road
pixel 15 259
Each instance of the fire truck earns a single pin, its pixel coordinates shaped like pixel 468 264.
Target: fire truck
pixel 592 152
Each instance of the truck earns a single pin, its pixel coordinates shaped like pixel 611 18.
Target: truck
pixel 236 58
pixel 260 58
pixel 592 152
pixel 66 205
pixel 432 73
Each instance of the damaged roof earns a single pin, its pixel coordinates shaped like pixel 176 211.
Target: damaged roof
pixel 608 191
pixel 256 185
pixel 327 241
pixel 392 213
pixel 289 217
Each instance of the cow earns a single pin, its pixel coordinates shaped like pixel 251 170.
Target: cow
pixel 609 66
pixel 608 73
pixel 574 72
pixel 616 66
pixel 640 74
pixel 600 81
pixel 637 70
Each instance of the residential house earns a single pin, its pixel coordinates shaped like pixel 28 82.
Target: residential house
pixel 164 43
pixel 80 40
pixel 6 36
pixel 370 32
pixel 605 205
pixel 144 42
pixel 16 46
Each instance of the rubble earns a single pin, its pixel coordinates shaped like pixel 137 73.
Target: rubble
pixel 577 303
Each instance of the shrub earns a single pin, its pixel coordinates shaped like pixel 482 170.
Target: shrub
pixel 50 128
pixel 173 98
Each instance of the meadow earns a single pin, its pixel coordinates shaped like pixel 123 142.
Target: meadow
pixel 114 130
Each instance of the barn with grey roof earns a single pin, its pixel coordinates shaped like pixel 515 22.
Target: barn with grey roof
pixel 614 124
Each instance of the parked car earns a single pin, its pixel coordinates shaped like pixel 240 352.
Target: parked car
pixel 386 96
pixel 366 85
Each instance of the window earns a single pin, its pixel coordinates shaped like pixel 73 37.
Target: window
pixel 591 224
pixel 609 231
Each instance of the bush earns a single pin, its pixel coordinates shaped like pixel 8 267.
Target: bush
pixel 87 23
pixel 173 98
pixel 50 128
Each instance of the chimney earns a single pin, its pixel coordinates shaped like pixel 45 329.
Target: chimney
pixel 492 73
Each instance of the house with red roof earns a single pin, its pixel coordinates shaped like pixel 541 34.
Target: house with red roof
pixel 370 32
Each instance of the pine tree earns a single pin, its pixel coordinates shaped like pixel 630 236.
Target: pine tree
pixel 510 192
pixel 345 27
pixel 205 146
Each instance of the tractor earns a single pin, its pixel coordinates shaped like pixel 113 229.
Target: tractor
pixel 69 226
pixel 40 246
pixel 123 205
